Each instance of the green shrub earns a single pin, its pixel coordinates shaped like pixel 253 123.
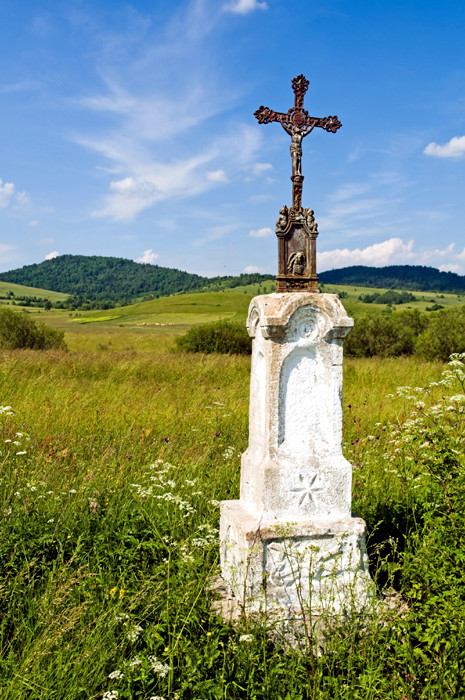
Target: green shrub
pixel 18 330
pixel 444 335
pixel 226 337
pixel 387 335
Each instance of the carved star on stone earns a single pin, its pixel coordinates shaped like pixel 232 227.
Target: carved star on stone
pixel 307 489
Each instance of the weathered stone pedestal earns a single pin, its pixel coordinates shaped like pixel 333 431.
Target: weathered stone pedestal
pixel 290 543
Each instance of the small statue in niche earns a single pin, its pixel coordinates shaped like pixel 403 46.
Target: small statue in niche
pixel 283 219
pixel 296 264
pixel 310 221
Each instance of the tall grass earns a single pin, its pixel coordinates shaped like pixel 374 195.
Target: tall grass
pixel 113 463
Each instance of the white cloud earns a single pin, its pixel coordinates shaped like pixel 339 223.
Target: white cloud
pixel 455 148
pixel 217 176
pixel 216 233
pixel 6 252
pixel 261 232
pixel 260 168
pixel 450 267
pixel 22 85
pixel 243 7
pixel 33 223
pixel 21 200
pixel 162 142
pixel 149 257
pixel 128 197
pixel 53 254
pixel 369 210
pixel 350 190
pixel 377 255
pixel 156 179
pixel 7 191
pixel 251 268
pixel 392 252
pixel 257 169
pixel 9 195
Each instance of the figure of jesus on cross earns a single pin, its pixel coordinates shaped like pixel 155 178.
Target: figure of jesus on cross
pixel 298 124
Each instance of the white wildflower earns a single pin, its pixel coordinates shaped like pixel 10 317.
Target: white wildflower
pixel 229 452
pixel 116 675
pixel 159 667
pixel 110 695
pixel 122 617
pixel 134 633
pixel 22 453
pixel 245 638
pixel 134 662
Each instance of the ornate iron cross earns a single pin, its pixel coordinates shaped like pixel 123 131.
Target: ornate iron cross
pixel 298 124
pixel 296 228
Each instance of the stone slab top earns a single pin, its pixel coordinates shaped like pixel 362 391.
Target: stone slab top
pixel 276 529
pixel 272 312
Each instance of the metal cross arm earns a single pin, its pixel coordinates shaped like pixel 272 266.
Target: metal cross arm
pixel 302 120
pixel 297 116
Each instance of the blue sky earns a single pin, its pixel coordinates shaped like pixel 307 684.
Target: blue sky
pixel 127 129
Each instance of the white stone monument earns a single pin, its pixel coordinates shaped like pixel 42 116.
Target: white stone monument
pixel 290 543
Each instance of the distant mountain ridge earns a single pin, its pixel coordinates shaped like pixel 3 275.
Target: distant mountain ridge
pixel 118 280
pixel 414 277
pixel 121 281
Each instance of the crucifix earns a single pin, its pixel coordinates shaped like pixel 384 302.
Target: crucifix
pixel 296 227
pixel 298 124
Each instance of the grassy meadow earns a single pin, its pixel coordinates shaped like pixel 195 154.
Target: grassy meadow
pixel 114 458
pixel 20 290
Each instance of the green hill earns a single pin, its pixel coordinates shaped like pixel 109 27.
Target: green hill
pixel 406 277
pixel 117 280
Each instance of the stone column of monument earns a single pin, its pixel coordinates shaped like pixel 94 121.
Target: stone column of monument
pixel 291 542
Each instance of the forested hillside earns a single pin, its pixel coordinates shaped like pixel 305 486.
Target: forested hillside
pixel 416 277
pixel 117 280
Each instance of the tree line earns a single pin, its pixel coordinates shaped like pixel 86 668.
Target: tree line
pixel 416 277
pixel 117 281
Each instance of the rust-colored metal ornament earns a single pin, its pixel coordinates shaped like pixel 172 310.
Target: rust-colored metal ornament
pixel 296 227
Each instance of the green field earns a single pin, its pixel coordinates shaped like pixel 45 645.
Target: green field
pixel 153 324
pixel 113 464
pixel 20 290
